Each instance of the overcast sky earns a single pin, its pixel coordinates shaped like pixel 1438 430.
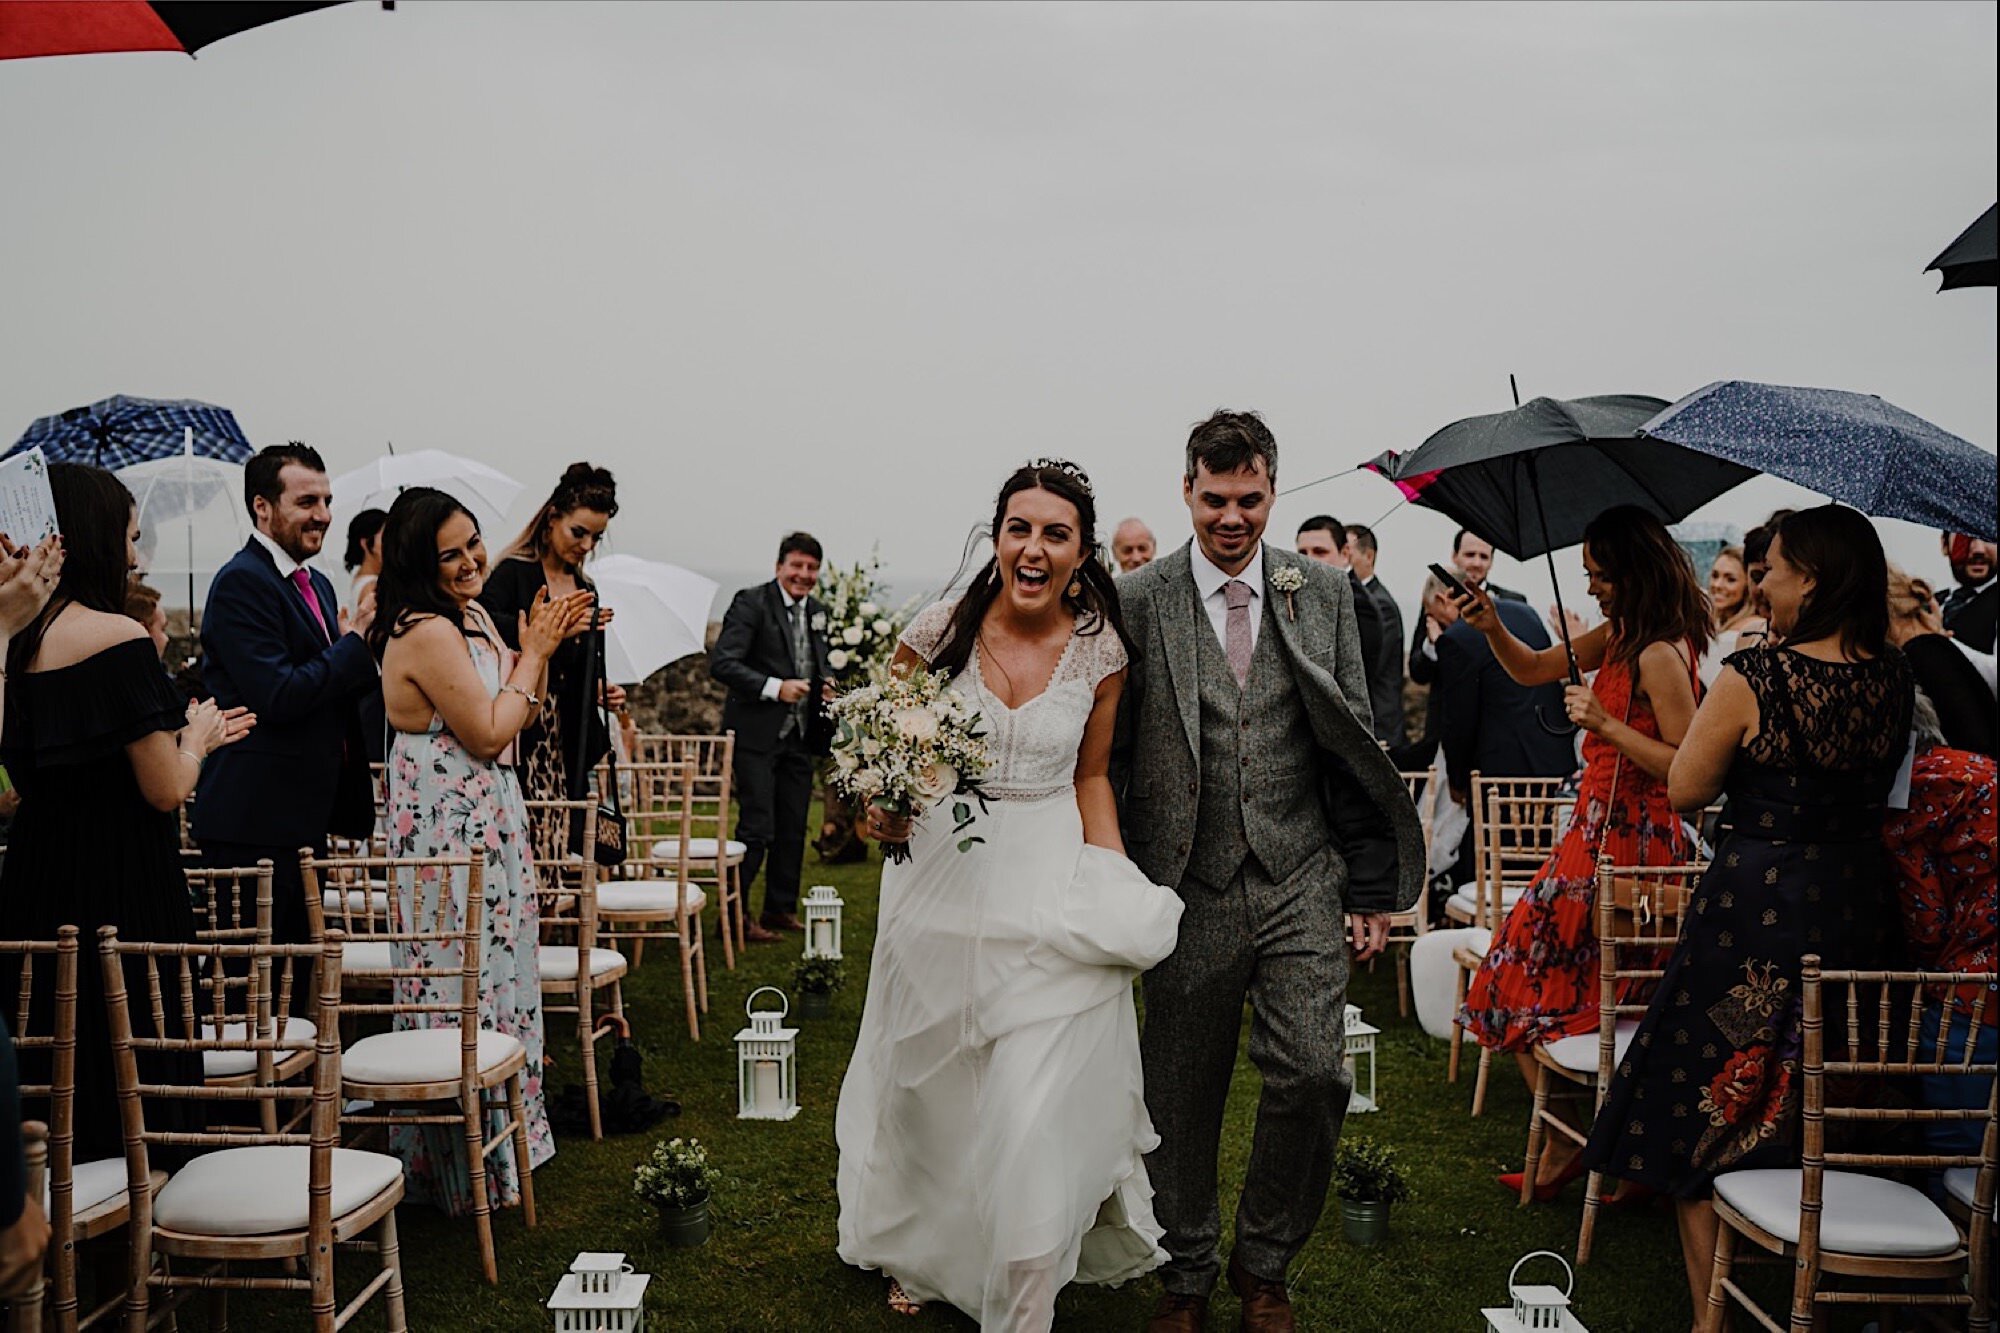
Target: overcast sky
pixel 843 266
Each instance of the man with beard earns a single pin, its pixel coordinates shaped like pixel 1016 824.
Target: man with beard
pixel 1972 612
pixel 274 641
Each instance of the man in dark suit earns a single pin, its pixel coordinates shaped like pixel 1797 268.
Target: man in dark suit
pixel 1972 612
pixel 772 655
pixel 1323 538
pixel 274 641
pixel 1490 724
pixel 1472 557
pixel 1385 676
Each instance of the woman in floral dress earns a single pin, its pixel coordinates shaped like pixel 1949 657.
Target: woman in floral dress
pixel 457 699
pixel 1805 738
pixel 1539 980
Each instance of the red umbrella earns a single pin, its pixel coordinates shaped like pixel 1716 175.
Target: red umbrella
pixel 84 27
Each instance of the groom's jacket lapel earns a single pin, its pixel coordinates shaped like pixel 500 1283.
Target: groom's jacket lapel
pixel 1179 621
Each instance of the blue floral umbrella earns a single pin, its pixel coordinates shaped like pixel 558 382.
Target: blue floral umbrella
pixel 1850 447
pixel 122 430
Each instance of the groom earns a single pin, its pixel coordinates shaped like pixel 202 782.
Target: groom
pixel 1252 782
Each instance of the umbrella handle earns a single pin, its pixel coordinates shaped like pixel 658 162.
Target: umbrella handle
pixel 1568 728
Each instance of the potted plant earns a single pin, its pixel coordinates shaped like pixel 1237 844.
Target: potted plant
pixel 678 1180
pixel 815 980
pixel 1366 1178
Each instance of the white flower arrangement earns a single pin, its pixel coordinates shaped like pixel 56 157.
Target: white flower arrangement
pixel 908 742
pixel 1287 579
pixel 861 631
pixel 675 1175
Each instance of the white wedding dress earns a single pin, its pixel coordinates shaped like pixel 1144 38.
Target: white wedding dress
pixel 993 1119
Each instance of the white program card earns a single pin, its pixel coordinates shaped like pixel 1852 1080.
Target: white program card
pixel 27 506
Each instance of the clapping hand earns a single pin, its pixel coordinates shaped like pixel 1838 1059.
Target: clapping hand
pixel 363 615
pixel 1560 616
pixel 27 579
pixel 550 620
pixel 210 727
pixel 604 614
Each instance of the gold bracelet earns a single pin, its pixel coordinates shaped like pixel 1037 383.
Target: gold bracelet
pixel 534 701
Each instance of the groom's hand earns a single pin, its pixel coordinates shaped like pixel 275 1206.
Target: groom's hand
pixel 1368 934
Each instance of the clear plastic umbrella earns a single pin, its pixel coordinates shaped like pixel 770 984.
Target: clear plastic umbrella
pixel 488 492
pixel 198 500
pixel 662 614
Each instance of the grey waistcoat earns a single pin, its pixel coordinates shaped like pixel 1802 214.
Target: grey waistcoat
pixel 1259 780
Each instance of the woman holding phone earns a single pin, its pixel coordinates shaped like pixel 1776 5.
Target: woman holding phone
pixel 1539 980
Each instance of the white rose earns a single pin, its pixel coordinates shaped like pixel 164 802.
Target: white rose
pixel 870 747
pixel 882 627
pixel 819 623
pixel 870 609
pixel 838 659
pixel 866 783
pixel 916 724
pixel 852 636
pixel 935 781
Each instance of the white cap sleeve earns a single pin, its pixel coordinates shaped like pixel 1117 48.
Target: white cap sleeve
pixel 924 635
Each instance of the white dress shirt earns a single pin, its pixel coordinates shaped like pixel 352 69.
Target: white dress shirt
pixel 1208 581
pixel 771 683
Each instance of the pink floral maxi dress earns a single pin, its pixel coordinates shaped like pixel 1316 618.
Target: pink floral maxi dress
pixel 445 802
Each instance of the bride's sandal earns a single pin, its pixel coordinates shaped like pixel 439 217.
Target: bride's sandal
pixel 900 1302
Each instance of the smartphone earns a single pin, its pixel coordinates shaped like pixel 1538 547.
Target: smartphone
pixel 1449 580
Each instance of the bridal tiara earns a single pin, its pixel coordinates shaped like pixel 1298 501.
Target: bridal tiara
pixel 1067 468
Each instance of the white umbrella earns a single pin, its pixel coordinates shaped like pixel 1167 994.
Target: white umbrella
pixel 488 492
pixel 662 614
pixel 204 495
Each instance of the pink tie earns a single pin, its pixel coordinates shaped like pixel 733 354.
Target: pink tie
pixel 302 580
pixel 1236 628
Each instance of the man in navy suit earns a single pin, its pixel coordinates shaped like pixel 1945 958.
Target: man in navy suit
pixel 274 640
pixel 772 654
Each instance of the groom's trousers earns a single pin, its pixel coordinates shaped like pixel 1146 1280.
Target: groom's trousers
pixel 1283 946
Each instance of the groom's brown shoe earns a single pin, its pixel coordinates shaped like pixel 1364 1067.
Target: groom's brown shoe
pixel 1267 1306
pixel 1177 1313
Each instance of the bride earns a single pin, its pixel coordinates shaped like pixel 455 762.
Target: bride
pixel 992 1121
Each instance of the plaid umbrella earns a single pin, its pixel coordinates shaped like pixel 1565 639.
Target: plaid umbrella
pixel 121 431
pixel 86 27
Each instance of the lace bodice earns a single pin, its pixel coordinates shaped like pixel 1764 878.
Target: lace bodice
pixel 1839 717
pixel 1034 747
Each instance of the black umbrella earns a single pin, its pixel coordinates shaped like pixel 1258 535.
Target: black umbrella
pixel 1532 479
pixel 1970 260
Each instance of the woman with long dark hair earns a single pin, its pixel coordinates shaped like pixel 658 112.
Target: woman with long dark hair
pixel 363 557
pixel 457 698
pixel 549 554
pixel 992 1123
pixel 104 753
pixel 1539 980
pixel 1805 737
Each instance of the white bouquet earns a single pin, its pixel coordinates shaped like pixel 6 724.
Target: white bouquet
pixel 860 631
pixel 908 742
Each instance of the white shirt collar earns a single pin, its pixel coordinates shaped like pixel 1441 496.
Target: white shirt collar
pixel 1208 580
pixel 785 597
pixel 286 565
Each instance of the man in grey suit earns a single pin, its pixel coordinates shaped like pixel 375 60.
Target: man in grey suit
pixel 1250 780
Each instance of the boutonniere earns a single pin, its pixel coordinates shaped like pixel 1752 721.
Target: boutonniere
pixel 1288 581
pixel 819 623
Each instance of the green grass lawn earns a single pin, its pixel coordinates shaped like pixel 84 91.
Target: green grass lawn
pixel 771 1262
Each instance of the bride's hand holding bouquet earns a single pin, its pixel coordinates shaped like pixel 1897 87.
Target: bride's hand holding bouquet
pixel 904 744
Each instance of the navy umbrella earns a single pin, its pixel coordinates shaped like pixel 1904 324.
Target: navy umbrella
pixel 1971 260
pixel 122 430
pixel 1850 447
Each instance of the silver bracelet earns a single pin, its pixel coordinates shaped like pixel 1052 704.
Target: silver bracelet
pixel 510 687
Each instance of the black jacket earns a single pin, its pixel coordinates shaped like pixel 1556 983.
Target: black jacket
pixel 754 646
pixel 1385 665
pixel 510 590
pixel 1974 618
pixel 1489 722
pixel 1965 707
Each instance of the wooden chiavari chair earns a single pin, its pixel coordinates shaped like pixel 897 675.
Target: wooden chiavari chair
pixel 1631 949
pixel 24 1312
pixel 83 1200
pixel 1514 823
pixel 1867 1228
pixel 1406 928
pixel 233 906
pixel 309 1194
pixel 652 899
pixel 713 856
pixel 345 893
pixel 443 1056
pixel 573 969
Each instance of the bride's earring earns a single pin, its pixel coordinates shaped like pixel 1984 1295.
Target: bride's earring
pixel 1075 588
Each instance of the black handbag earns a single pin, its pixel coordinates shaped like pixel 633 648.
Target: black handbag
pixel 609 849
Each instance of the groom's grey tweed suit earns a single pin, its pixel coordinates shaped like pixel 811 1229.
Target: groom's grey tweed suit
pixel 1273 811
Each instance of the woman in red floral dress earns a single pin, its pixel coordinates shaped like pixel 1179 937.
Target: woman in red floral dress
pixel 1539 980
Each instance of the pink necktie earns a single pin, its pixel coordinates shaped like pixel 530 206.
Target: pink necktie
pixel 302 580
pixel 1236 628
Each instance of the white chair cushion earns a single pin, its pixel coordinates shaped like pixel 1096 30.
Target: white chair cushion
pixel 648 895
pixel 559 962
pixel 366 956
pixel 210 1195
pixel 1863 1214
pixel 1466 902
pixel 300 1034
pixel 1433 975
pixel 420 1055
pixel 91 1183
pixel 1959 1182
pixel 374 901
pixel 699 849
pixel 1580 1052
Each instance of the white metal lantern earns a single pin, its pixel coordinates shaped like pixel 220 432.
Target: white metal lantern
pixel 1536 1309
pixel 822 922
pixel 767 1086
pixel 1359 1049
pixel 600 1294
